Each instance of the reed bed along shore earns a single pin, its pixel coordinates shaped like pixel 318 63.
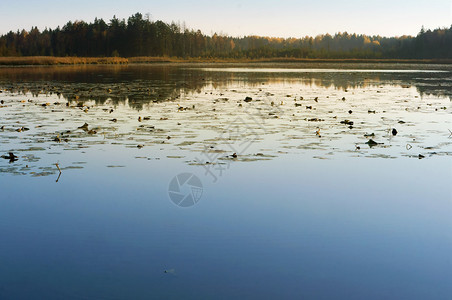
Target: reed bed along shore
pixel 52 60
pixel 70 60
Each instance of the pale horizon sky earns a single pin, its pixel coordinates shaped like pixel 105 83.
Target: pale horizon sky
pixel 285 18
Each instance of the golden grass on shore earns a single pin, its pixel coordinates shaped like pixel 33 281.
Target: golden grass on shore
pixel 52 60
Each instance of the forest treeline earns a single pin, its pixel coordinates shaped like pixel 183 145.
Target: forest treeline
pixel 139 36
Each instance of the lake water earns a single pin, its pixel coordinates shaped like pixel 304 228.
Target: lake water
pixel 313 181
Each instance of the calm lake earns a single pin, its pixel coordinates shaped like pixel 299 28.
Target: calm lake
pixel 191 181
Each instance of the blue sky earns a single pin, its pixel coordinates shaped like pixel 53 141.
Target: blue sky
pixel 266 17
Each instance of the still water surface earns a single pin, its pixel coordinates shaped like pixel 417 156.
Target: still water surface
pixel 295 200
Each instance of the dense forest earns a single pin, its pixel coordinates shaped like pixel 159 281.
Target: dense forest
pixel 139 36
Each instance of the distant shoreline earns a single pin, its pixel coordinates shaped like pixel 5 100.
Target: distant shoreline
pixel 55 61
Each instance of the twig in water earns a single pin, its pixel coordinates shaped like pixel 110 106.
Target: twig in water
pixel 58 167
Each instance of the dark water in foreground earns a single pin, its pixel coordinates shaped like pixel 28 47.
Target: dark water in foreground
pixel 307 208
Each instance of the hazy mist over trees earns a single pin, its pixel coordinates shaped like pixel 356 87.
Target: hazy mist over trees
pixel 139 36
